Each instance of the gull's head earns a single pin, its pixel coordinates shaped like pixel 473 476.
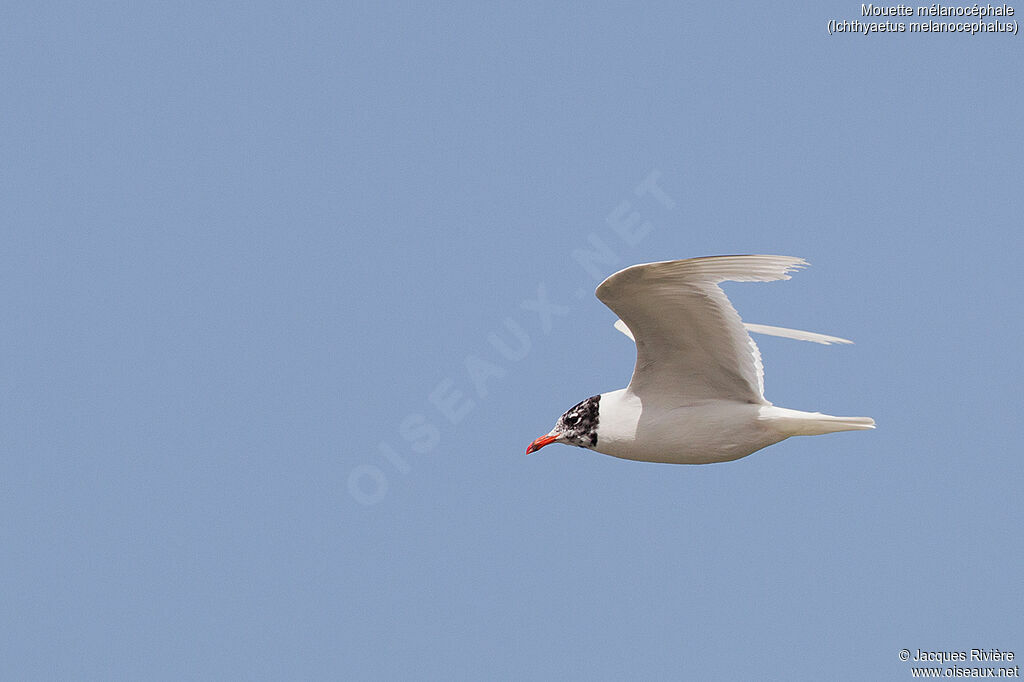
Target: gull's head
pixel 578 426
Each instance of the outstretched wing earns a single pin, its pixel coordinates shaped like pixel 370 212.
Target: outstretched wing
pixel 691 344
pixel 767 330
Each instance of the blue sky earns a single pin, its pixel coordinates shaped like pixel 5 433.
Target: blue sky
pixel 254 253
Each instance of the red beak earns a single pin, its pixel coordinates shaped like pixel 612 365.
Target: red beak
pixel 541 442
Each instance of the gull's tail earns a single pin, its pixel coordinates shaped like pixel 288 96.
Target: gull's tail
pixel 797 423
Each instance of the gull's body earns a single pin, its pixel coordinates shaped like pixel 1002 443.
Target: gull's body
pixel 697 392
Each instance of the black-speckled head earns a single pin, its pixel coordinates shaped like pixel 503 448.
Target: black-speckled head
pixel 578 426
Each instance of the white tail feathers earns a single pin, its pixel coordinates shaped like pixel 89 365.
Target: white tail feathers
pixel 797 423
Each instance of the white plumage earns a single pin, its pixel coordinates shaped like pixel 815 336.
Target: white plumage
pixel 697 392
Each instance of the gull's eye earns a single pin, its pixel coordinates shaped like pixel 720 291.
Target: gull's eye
pixel 572 419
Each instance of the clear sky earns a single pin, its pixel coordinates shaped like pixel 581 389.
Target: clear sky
pixel 288 288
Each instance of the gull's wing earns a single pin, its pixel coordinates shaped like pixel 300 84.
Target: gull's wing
pixel 796 334
pixel 690 342
pixel 767 330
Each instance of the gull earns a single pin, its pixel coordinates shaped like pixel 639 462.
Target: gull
pixel 697 391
